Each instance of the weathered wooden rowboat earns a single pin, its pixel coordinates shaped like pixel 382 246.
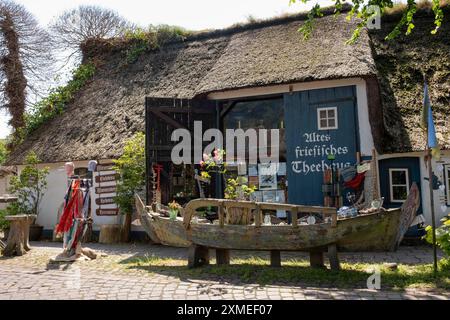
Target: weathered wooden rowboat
pixel 379 231
pixel 160 229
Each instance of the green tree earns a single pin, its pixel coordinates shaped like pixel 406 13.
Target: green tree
pixel 29 186
pixel 3 152
pixel 131 169
pixel 363 11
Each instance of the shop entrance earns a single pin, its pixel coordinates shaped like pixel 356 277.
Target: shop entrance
pixel 318 123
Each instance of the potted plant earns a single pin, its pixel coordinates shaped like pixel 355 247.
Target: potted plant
pixel 29 187
pixel 235 188
pixel 174 208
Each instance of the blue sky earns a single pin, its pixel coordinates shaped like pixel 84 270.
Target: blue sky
pixel 192 14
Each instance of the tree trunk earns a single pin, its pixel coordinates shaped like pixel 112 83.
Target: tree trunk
pixel 17 243
pixel 12 66
pixel 126 228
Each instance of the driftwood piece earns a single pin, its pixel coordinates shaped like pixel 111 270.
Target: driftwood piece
pixel 18 238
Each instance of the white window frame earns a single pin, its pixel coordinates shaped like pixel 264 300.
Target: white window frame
pixel 447 182
pixel 391 185
pixel 319 126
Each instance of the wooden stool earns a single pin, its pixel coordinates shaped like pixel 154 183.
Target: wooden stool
pixel 18 238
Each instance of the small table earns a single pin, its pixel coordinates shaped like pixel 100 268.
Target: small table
pixel 18 238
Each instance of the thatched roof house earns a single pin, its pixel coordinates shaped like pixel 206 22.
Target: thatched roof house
pixel 110 108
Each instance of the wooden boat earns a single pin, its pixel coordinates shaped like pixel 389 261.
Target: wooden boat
pixel 379 231
pixel 161 229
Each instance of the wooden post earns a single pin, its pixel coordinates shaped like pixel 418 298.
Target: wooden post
pixel 223 256
pixel 197 256
pixel 433 219
pixel 334 258
pixel 316 259
pixel 294 214
pixel 275 258
pixel 258 216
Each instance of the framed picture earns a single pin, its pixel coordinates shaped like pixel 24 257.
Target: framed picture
pixel 253 181
pixel 266 169
pixel 267 182
pixel 279 197
pixel 281 169
pixel 256 196
pixel 269 196
pixel 253 170
pixel 242 168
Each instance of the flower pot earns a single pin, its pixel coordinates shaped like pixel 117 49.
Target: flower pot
pixel 35 232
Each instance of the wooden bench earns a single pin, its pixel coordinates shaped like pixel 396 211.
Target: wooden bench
pixel 18 238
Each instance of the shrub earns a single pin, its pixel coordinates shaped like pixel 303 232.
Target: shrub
pixel 442 235
pixel 29 186
pixel 4 224
pixel 131 169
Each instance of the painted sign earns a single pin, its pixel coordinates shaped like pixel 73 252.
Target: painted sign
pixel 103 201
pixel 109 189
pixel 105 167
pixel 107 212
pixel 106 178
pixel 319 123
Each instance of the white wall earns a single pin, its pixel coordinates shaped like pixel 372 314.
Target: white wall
pixel 425 196
pixel 56 190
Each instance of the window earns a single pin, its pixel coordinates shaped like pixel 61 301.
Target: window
pixel 399 184
pixel 327 118
pixel 83 173
pixel 447 182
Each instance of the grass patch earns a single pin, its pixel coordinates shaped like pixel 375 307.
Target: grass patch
pixel 257 270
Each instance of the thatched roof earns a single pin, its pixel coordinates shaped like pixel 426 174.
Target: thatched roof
pixel 110 109
pixel 401 65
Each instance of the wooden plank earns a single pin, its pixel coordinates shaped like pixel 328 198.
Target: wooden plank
pixel 221 216
pixel 105 167
pixel 106 200
pixel 258 217
pixel 294 213
pixel 106 178
pixel 333 257
pixel 223 256
pixel 107 212
pixel 109 189
pixel 275 258
pixel 167 119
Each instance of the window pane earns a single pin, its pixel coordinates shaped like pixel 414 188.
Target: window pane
pixel 323 114
pixel 399 177
pixel 331 123
pixel 323 123
pixel 399 193
pixel 331 113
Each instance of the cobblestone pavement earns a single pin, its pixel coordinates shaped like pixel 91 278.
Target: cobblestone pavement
pixel 33 277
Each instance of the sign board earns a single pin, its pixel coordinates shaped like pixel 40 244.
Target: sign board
pixel 107 212
pixel 109 189
pixel 106 178
pixel 104 201
pixel 105 167
pixel 309 141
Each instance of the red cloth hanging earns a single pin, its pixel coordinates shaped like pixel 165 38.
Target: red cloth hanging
pixel 356 182
pixel 72 209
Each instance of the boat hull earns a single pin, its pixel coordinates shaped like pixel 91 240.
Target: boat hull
pixel 165 231
pixel 374 232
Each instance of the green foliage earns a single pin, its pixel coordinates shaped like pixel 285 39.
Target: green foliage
pixel 58 98
pixel 238 190
pixel 131 169
pixel 151 38
pixel 442 235
pixel 3 151
pixel 3 223
pixel 29 186
pixel 361 10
